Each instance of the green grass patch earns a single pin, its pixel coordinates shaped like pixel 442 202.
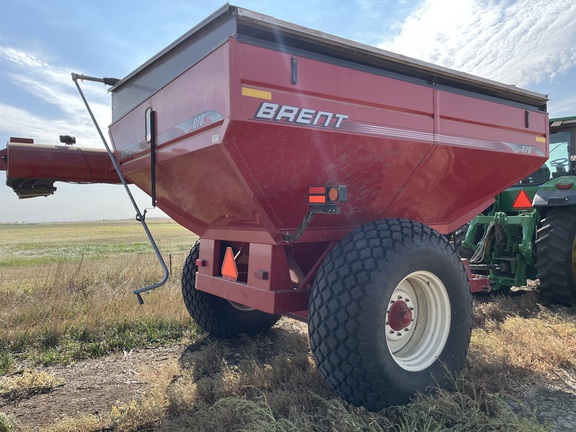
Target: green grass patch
pixel 83 342
pixel 7 424
pixel 60 346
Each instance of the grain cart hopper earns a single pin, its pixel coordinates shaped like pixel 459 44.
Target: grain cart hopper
pixel 321 175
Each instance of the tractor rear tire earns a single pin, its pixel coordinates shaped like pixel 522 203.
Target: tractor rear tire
pixel 556 256
pixel 217 316
pixel 390 313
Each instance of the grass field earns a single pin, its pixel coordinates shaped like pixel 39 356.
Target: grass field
pixel 65 289
pixel 66 295
pixel 36 245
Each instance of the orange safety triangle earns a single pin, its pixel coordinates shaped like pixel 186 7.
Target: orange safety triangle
pixel 522 200
pixel 229 269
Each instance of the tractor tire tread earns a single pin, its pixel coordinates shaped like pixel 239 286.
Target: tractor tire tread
pixel 554 243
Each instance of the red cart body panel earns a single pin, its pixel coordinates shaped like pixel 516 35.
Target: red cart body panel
pixel 240 142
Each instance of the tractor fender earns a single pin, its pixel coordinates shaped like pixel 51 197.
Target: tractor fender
pixel 554 198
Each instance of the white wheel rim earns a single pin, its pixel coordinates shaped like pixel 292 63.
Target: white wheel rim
pixel 416 340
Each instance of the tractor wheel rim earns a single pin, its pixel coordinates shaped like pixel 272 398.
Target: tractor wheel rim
pixel 418 321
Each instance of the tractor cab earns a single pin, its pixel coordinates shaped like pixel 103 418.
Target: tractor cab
pixel 562 147
pixel 562 159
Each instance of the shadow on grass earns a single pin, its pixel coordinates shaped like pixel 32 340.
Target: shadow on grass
pixel 270 383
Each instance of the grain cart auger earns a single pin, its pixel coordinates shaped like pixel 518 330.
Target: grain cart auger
pixel 322 176
pixel 530 230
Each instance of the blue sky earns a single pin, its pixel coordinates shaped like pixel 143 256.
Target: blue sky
pixel 528 43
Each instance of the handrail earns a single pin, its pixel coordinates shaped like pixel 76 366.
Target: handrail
pixel 139 216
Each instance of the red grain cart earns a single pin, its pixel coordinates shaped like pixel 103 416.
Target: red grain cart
pixel 320 175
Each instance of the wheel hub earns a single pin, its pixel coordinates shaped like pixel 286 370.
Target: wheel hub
pixel 399 315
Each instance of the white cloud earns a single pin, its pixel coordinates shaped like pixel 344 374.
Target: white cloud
pixel 520 42
pixel 50 85
pixel 20 58
pixel 563 107
pixel 21 123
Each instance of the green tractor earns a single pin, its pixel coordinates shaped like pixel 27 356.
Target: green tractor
pixel 530 230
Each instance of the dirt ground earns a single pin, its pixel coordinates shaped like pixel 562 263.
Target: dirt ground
pixel 95 386
pixel 90 387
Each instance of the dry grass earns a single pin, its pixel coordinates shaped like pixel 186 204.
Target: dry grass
pixel 270 383
pixel 83 307
pixel 87 309
pixel 517 341
pixel 27 383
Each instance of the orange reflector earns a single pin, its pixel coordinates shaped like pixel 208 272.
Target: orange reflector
pixel 333 194
pixel 229 269
pixel 317 199
pixel 522 201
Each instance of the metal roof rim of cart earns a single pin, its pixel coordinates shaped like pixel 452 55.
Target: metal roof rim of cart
pixel 401 61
